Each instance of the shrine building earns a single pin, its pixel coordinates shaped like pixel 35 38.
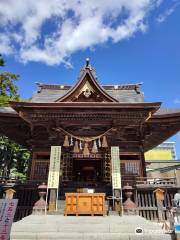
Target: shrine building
pixel 87 120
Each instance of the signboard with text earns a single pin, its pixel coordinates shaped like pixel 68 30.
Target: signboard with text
pixel 54 168
pixel 115 161
pixel 7 211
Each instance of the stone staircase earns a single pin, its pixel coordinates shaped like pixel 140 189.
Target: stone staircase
pixel 46 227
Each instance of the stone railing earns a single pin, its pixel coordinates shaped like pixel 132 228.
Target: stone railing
pixel 155 182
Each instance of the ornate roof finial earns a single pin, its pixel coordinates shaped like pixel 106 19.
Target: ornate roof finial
pixel 87 62
pixel 88 67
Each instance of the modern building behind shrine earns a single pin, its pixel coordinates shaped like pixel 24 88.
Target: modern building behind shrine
pixel 87 120
pixel 164 151
pixel 162 162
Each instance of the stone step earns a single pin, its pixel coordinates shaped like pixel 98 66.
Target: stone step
pixel 85 227
pixel 84 219
pixel 88 236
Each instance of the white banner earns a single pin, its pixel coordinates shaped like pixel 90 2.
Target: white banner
pixel 7 211
pixel 116 171
pixel 54 168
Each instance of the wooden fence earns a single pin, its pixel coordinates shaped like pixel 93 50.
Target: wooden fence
pixel 144 197
pixel 147 204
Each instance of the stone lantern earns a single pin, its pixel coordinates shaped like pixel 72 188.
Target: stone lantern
pixel 129 206
pixel 40 205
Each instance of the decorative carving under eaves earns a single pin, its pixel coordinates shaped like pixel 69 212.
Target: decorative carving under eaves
pixel 123 117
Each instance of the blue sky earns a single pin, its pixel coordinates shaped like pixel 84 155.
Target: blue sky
pixel 126 41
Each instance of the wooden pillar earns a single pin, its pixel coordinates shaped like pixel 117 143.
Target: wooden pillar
pixel 143 163
pixel 29 167
pixel 141 149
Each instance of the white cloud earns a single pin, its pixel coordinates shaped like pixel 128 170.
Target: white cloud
pixel 51 31
pixel 5 45
pixel 177 101
pixel 162 17
pixel 159 2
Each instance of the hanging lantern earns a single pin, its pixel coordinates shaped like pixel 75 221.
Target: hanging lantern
pixel 71 143
pixel 94 148
pixel 104 142
pixel 76 147
pixel 99 142
pixel 66 141
pixel 86 150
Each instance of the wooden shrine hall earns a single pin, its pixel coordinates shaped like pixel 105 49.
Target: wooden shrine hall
pixel 86 120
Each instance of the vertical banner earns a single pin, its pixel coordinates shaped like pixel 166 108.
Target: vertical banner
pixel 54 168
pixel 7 211
pixel 116 171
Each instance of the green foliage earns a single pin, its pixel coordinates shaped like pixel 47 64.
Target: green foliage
pixel 13 158
pixel 8 90
pixel 4 100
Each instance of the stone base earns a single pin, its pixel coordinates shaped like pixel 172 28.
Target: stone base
pixel 52 206
pixel 131 211
pixel 38 211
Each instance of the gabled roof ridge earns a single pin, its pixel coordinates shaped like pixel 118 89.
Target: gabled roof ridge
pixel 87 71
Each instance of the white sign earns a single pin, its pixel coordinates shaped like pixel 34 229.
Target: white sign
pixel 115 161
pixel 54 168
pixel 7 211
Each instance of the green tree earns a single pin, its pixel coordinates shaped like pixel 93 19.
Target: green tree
pixel 13 157
pixel 8 90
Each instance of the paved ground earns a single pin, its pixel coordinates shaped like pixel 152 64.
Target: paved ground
pixel 47 227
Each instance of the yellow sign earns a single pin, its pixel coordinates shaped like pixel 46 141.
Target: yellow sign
pixel 158 155
pixel 116 174
pixel 54 168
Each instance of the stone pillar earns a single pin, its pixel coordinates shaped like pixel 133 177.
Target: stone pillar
pixel 117 200
pixel 52 200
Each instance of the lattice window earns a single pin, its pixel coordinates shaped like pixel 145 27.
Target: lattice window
pixel 40 166
pixel 67 167
pixel 40 170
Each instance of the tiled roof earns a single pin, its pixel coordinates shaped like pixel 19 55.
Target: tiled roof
pixel 123 93
pixel 163 111
pixel 7 110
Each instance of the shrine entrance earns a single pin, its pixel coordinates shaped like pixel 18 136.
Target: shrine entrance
pixel 87 170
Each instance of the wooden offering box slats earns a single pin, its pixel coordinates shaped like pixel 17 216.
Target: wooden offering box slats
pixel 85 204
